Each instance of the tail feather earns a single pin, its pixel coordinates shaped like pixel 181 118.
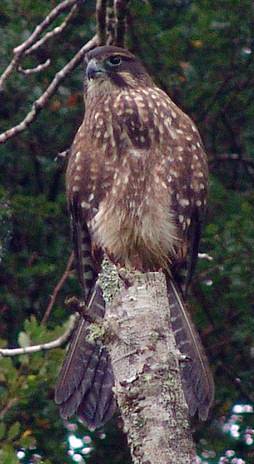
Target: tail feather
pixel 99 401
pixel 86 378
pixel 196 375
pixel 75 363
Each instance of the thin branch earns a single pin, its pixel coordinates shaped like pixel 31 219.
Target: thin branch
pixel 19 51
pixel 10 68
pixel 44 98
pixel 247 163
pixel 214 98
pixel 56 31
pixel 203 275
pixel 121 8
pixel 7 407
pixel 101 13
pixel 110 25
pixel 205 256
pixel 62 156
pixel 10 352
pixel 45 24
pixel 57 288
pixel 37 69
pixel 234 157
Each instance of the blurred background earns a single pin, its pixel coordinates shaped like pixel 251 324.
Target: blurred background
pixel 201 53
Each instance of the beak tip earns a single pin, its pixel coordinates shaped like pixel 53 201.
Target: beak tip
pixel 93 69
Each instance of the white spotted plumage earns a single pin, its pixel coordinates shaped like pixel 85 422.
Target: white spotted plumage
pixel 137 186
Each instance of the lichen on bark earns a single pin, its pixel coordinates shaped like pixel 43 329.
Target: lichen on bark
pixel 146 368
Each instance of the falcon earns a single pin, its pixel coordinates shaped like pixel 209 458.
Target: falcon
pixel 136 189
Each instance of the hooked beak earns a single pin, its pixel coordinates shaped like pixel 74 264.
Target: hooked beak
pixel 94 69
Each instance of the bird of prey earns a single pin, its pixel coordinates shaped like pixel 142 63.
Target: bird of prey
pixel 136 189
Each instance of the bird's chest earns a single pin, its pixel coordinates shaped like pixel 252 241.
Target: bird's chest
pixel 133 218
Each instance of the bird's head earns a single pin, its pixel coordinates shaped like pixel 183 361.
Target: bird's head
pixel 109 66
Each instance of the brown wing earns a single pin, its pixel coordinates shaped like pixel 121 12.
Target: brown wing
pixel 188 189
pixel 86 379
pixel 175 177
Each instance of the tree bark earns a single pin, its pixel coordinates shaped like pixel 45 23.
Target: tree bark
pixel 146 368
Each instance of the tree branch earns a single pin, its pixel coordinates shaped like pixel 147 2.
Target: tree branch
pixel 10 352
pixel 57 288
pixel 44 98
pixel 121 9
pixel 110 24
pixel 8 406
pixel 101 14
pixel 56 31
pixel 145 362
pixel 40 67
pixel 205 256
pixel 233 157
pixel 20 50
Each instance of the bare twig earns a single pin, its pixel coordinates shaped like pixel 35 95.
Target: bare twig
pixel 9 352
pixel 101 8
pixel 57 288
pixel 110 24
pixel 56 31
pixel 8 406
pixel 37 69
pixel 246 163
pixel 45 23
pixel 62 156
pixel 44 98
pixel 203 275
pixel 234 157
pixel 121 8
pixel 205 256
pixel 20 50
pixel 214 97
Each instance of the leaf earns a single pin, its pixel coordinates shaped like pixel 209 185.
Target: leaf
pixel 8 455
pixel 24 340
pixel 2 430
pixel 14 430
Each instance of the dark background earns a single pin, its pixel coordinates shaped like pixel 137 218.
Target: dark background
pixel 201 53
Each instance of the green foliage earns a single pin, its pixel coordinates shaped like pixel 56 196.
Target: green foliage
pixel 201 53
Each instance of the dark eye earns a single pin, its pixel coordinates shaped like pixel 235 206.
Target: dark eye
pixel 114 60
